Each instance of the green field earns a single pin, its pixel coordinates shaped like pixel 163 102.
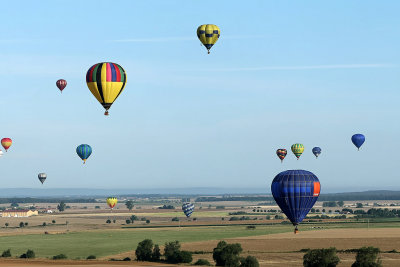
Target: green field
pixel 201 214
pixel 104 243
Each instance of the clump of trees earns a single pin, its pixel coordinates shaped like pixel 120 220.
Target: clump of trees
pixel 367 256
pixel 229 255
pixel 147 251
pixel 202 262
pixel 6 253
pixel 325 257
pixel 29 254
pixel 167 207
pixel 61 207
pixel 129 204
pixel 60 257
pixel 174 254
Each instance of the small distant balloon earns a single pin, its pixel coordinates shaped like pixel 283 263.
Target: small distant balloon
pixel 208 35
pixel 188 209
pixel 112 201
pixel 358 140
pixel 42 177
pixel 61 84
pixel 297 150
pixel 316 151
pixel 281 153
pixel 6 143
pixel 84 151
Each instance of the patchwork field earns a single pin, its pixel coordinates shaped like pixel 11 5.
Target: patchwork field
pixel 81 232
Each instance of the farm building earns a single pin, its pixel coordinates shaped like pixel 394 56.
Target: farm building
pixel 19 213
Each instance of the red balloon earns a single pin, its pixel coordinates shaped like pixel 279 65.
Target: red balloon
pixel 61 84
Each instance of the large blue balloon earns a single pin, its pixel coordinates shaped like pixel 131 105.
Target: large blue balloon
pixel 358 140
pixel 295 192
pixel 188 209
pixel 316 151
pixel 84 152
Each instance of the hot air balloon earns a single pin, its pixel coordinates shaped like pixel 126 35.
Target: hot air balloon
pixel 281 152
pixel 358 140
pixel 208 35
pixel 297 150
pixel 84 152
pixel 295 192
pixel 61 84
pixel 42 177
pixel 106 81
pixel 188 208
pixel 112 201
pixel 6 143
pixel 316 151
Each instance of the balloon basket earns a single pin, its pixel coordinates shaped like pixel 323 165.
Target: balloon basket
pixel 106 113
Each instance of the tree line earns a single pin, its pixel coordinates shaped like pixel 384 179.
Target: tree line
pixel 44 200
pixel 224 254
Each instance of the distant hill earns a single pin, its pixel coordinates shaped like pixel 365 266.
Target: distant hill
pixel 366 195
pixel 200 194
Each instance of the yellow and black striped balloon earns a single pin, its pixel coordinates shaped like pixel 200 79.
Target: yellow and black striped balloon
pixel 106 81
pixel 208 35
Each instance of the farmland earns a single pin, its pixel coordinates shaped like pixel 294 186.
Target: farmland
pixel 82 230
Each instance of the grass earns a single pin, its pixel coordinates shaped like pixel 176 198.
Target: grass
pixel 111 242
pixel 104 243
pixel 199 214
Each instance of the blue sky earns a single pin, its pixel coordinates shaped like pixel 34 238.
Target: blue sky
pixel 282 73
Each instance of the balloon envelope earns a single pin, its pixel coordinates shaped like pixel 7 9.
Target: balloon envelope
pixel 61 84
pixel 188 209
pixel 316 151
pixel 208 35
pixel 295 192
pixel 297 150
pixel 6 143
pixel 281 153
pixel 42 177
pixel 112 201
pixel 84 151
pixel 106 81
pixel 358 140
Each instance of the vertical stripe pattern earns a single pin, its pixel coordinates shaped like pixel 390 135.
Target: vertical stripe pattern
pixel 106 81
pixel 84 151
pixel 295 192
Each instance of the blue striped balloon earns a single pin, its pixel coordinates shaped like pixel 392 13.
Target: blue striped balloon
pixel 295 192
pixel 84 151
pixel 188 209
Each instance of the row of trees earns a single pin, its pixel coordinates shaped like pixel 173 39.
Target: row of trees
pixel 224 254
pixel 366 257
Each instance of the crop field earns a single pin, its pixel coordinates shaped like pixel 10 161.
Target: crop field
pixel 109 242
pixel 80 232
